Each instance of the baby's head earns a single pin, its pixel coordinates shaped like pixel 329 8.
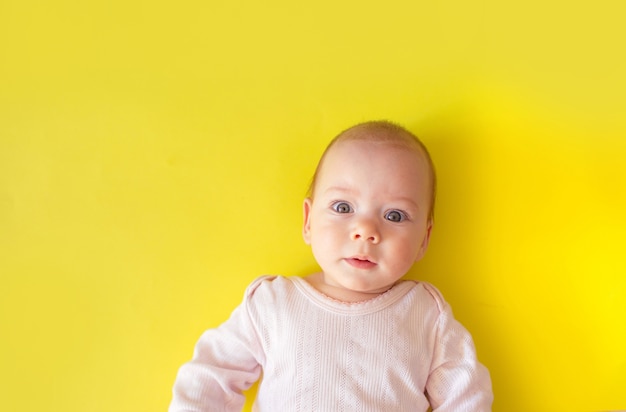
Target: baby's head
pixel 369 212
pixel 384 133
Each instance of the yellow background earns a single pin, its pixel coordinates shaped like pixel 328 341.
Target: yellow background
pixel 154 156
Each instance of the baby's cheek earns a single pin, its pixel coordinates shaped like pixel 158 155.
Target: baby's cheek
pixel 409 254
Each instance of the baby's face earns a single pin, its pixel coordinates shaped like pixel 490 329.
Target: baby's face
pixel 368 222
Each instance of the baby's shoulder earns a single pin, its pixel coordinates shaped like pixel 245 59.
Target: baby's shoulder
pixel 269 287
pixel 428 292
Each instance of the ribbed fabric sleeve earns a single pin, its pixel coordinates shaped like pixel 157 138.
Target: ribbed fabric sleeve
pixel 318 354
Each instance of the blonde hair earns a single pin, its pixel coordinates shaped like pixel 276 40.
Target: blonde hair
pixel 383 131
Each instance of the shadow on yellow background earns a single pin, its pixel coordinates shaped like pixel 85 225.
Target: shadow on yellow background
pixel 154 157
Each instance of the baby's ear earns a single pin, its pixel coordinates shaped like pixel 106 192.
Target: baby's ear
pixel 306 226
pixel 424 245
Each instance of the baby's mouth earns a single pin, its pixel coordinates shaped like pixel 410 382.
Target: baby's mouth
pixel 360 262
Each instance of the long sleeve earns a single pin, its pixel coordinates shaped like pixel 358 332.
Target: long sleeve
pixel 457 381
pixel 226 361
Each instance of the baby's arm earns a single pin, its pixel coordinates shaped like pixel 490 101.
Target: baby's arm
pixel 226 361
pixel 457 381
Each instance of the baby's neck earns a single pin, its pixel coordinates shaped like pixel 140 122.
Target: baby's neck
pixel 338 293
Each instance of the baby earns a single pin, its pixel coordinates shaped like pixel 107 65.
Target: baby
pixel 354 336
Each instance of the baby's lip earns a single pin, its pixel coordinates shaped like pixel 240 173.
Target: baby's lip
pixel 363 258
pixel 361 262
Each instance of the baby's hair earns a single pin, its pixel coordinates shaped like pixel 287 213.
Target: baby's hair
pixel 383 131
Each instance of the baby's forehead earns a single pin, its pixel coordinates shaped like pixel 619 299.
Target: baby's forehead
pixel 395 172
pixel 346 159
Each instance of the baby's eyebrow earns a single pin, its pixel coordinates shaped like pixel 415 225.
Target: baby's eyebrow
pixel 407 200
pixel 339 189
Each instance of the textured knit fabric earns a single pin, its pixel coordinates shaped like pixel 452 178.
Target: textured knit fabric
pixel 401 351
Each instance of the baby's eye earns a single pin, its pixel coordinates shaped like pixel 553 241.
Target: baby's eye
pixel 395 216
pixel 342 207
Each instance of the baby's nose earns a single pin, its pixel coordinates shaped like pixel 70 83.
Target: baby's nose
pixel 366 229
